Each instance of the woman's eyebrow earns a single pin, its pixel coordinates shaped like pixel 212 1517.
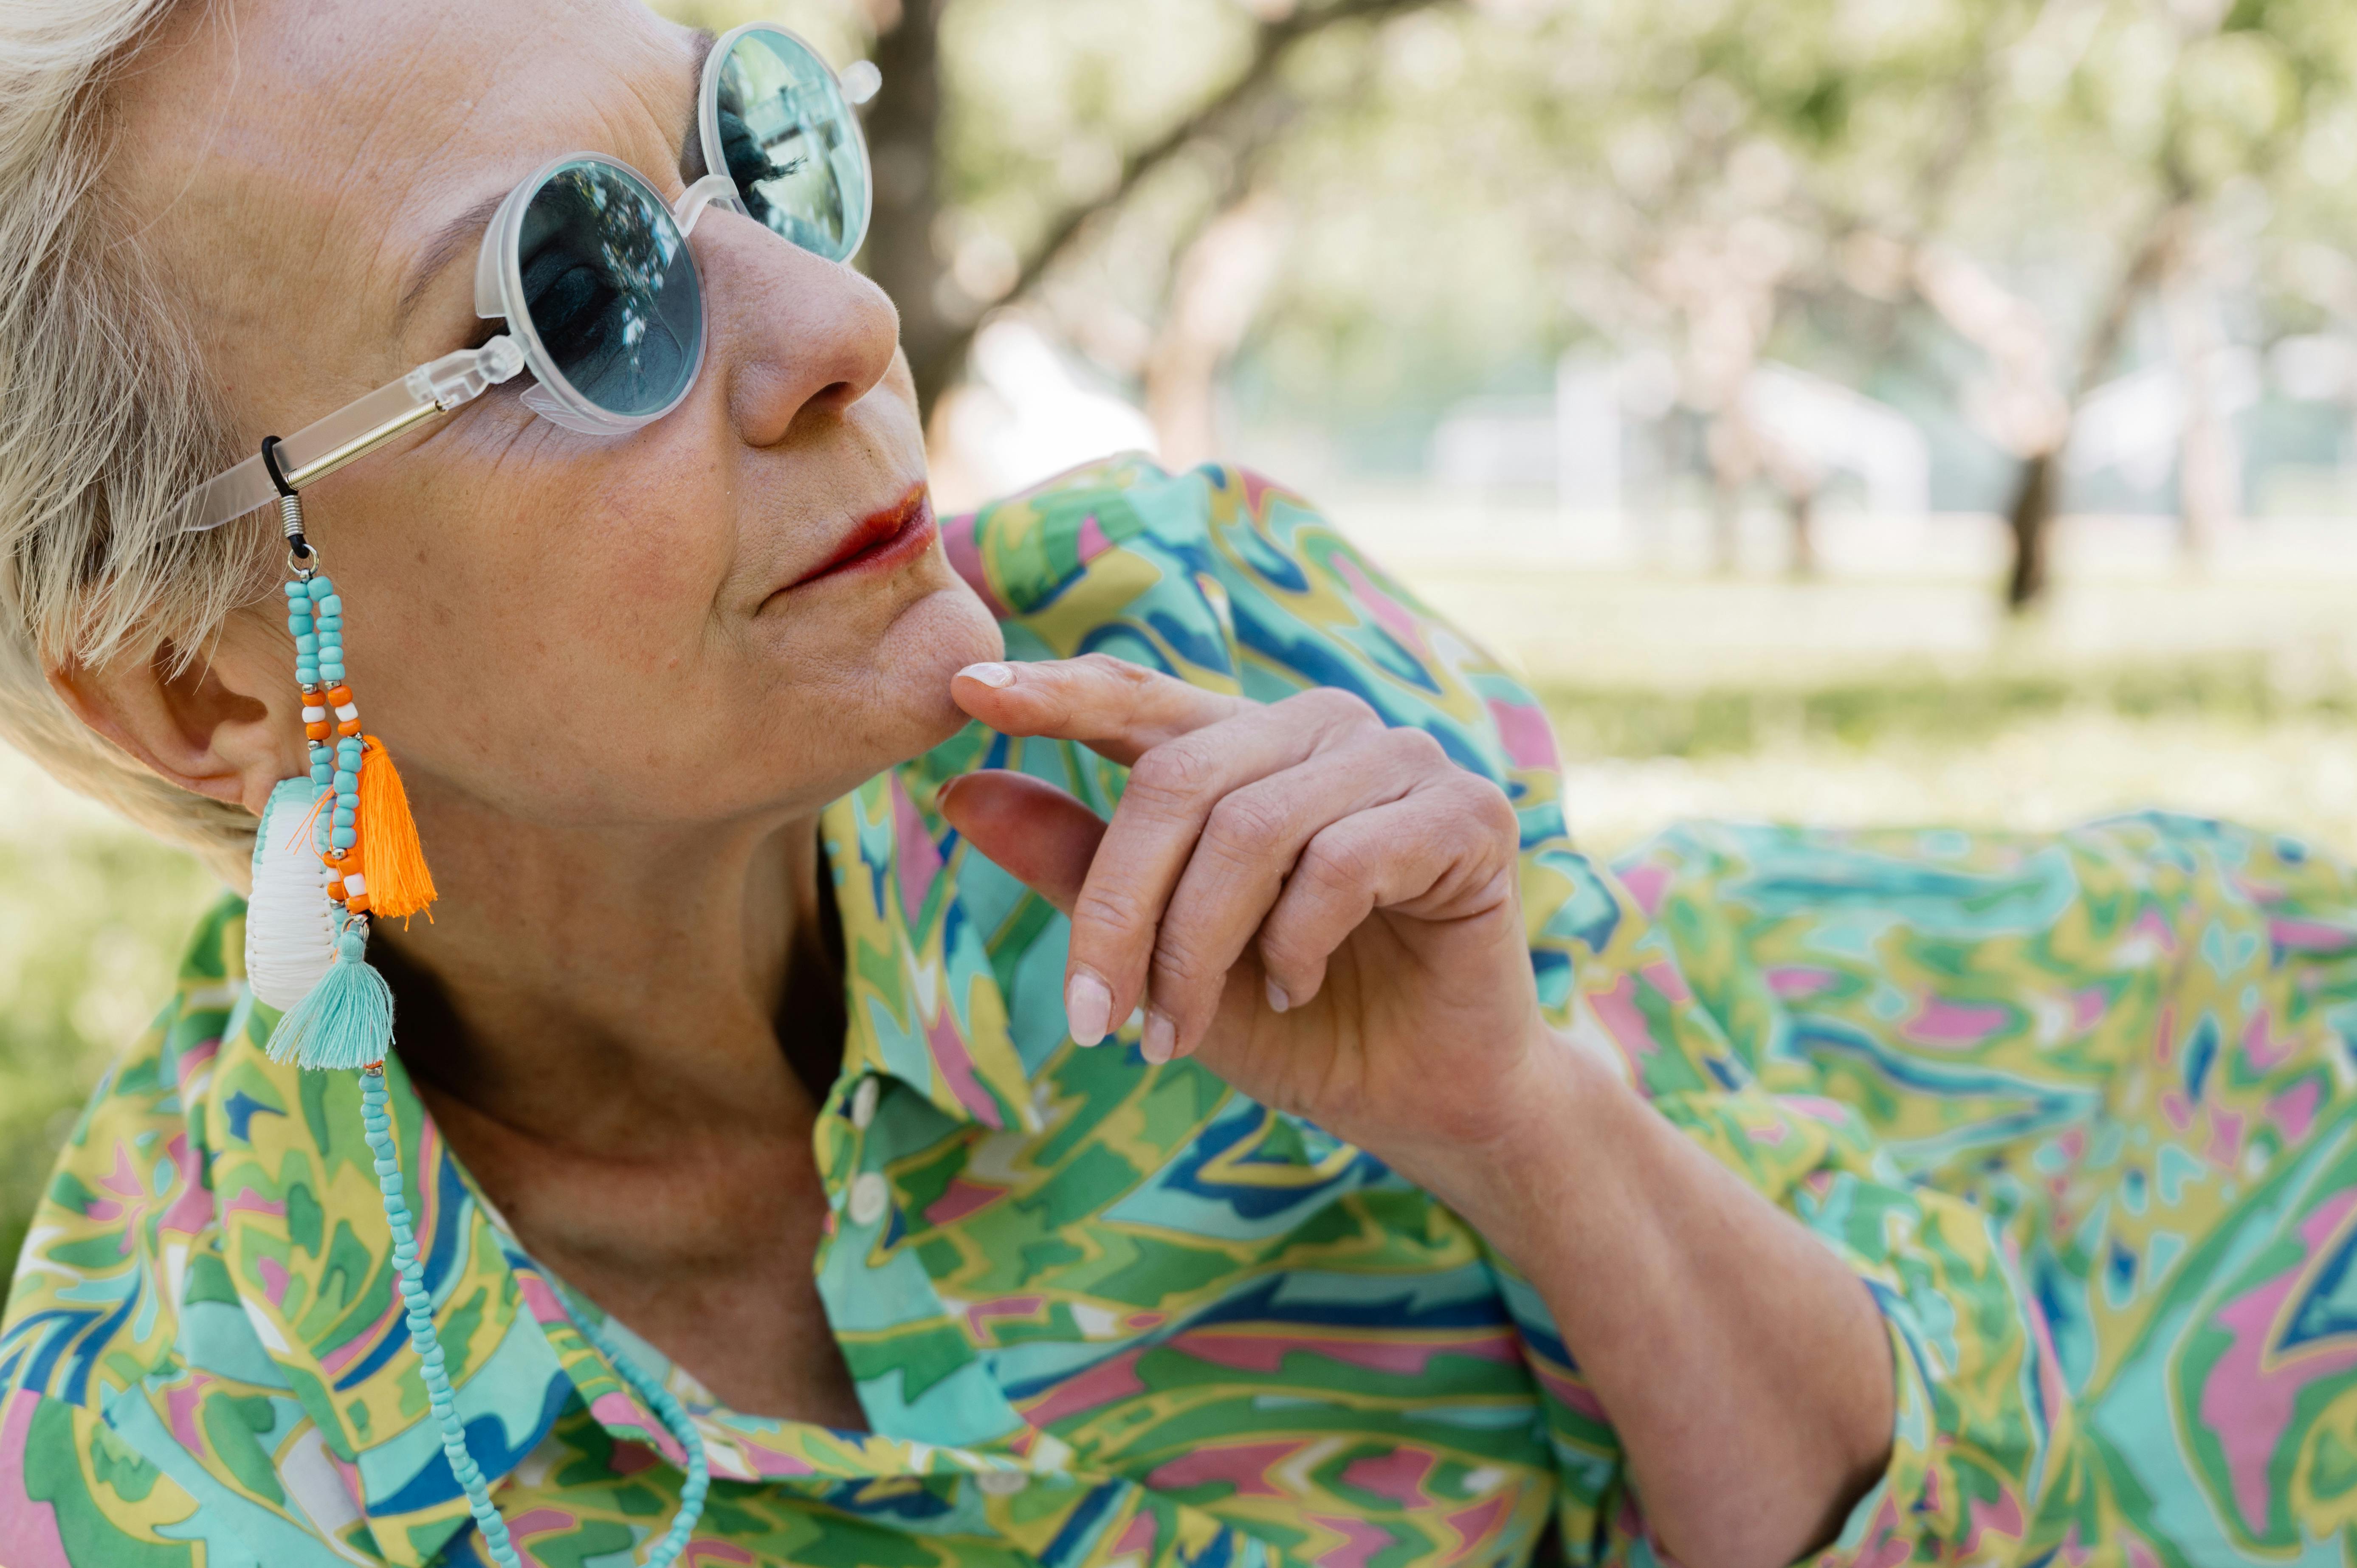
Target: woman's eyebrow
pixel 449 242
pixel 456 237
pixel 692 164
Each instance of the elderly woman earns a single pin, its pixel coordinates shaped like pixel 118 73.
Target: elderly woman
pixel 1071 1035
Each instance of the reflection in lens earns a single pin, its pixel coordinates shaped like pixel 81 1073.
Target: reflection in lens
pixel 791 144
pixel 609 288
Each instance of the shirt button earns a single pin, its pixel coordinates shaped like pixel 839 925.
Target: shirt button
pixel 870 1196
pixel 1001 1483
pixel 863 1104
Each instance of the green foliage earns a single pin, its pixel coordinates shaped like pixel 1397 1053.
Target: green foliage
pixel 1915 705
pixel 93 917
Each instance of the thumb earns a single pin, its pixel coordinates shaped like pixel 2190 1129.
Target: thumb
pixel 1038 834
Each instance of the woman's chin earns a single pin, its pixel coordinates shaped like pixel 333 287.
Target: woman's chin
pixel 932 641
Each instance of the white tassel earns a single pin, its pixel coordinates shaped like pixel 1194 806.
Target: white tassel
pixel 290 930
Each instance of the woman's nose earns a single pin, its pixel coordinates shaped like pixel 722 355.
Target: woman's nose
pixel 794 337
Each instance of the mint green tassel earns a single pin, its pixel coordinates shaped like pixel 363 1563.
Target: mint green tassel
pixel 345 1021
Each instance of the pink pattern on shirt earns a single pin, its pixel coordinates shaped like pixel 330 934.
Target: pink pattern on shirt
pixel 966 560
pixel 28 1530
pixel 1244 1466
pixel 1957 1023
pixel 1265 1352
pixel 1361 1541
pixel 1398 1474
pixel 1523 731
pixel 2294 1111
pixel 1116 1378
pixel 1475 1524
pixel 961 1198
pixel 2249 1396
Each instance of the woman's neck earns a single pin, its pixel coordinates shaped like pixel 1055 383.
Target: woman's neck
pixel 605 1025
pixel 584 988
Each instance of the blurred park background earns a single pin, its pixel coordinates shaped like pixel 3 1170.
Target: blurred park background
pixel 1851 411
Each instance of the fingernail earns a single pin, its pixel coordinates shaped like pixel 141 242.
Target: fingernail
pixel 1088 1007
pixel 997 677
pixel 1161 1034
pixel 1277 1000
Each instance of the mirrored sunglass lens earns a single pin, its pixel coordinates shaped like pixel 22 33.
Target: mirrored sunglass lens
pixel 610 288
pixel 791 145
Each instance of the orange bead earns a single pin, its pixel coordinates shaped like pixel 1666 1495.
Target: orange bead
pixel 349 726
pixel 338 696
pixel 356 904
pixel 336 890
pixel 316 731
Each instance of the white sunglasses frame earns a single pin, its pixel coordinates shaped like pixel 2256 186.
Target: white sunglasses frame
pixel 438 386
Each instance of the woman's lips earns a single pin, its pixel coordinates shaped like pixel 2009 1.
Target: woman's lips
pixel 886 539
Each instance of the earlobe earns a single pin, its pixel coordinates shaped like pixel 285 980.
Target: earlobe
pixel 215 725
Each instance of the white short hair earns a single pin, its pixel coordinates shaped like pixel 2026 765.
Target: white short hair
pixel 106 419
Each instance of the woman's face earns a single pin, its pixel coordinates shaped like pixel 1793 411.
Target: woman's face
pixel 657 628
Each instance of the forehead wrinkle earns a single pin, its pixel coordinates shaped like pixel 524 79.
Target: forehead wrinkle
pixel 458 236
pixel 658 93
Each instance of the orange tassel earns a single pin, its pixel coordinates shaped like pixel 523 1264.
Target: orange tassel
pixel 398 883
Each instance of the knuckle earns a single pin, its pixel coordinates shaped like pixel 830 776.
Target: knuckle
pixel 1416 747
pixel 1179 966
pixel 1105 664
pixel 1334 707
pixel 1247 825
pixel 1104 912
pixel 1173 773
pixel 1339 863
pixel 1487 805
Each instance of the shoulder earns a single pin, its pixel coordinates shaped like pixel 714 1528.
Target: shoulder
pixel 1039 551
pixel 1224 578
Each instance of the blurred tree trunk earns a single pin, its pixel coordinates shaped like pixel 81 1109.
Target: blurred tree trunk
pixel 904 138
pixel 1220 280
pixel 2037 490
pixel 2209 463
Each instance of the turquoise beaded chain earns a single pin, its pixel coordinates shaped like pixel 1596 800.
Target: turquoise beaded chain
pixel 315 618
pixel 377 1117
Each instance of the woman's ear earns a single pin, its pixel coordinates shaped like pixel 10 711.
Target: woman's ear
pixel 228 724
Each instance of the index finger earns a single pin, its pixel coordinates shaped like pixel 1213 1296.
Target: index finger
pixel 1116 709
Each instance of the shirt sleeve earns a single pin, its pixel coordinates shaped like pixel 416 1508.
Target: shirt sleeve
pixel 72 1493
pixel 1242 586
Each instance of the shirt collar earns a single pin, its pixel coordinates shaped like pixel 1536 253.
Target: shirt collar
pixel 925 1007
pixel 304 1236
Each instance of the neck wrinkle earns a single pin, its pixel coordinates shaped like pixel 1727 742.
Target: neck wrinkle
pixel 593 989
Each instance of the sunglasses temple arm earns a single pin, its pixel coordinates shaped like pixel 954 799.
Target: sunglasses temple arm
pixel 353 430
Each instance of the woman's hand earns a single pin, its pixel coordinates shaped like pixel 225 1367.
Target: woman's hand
pixel 1322 909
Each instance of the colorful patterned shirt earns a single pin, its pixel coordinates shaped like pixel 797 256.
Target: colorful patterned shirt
pixel 1101 1314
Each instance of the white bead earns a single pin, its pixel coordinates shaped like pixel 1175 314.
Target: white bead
pixel 314 715
pixel 354 884
pixel 870 1196
pixel 348 713
pixel 863 1102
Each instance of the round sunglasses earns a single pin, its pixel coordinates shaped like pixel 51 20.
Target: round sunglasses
pixel 590 269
